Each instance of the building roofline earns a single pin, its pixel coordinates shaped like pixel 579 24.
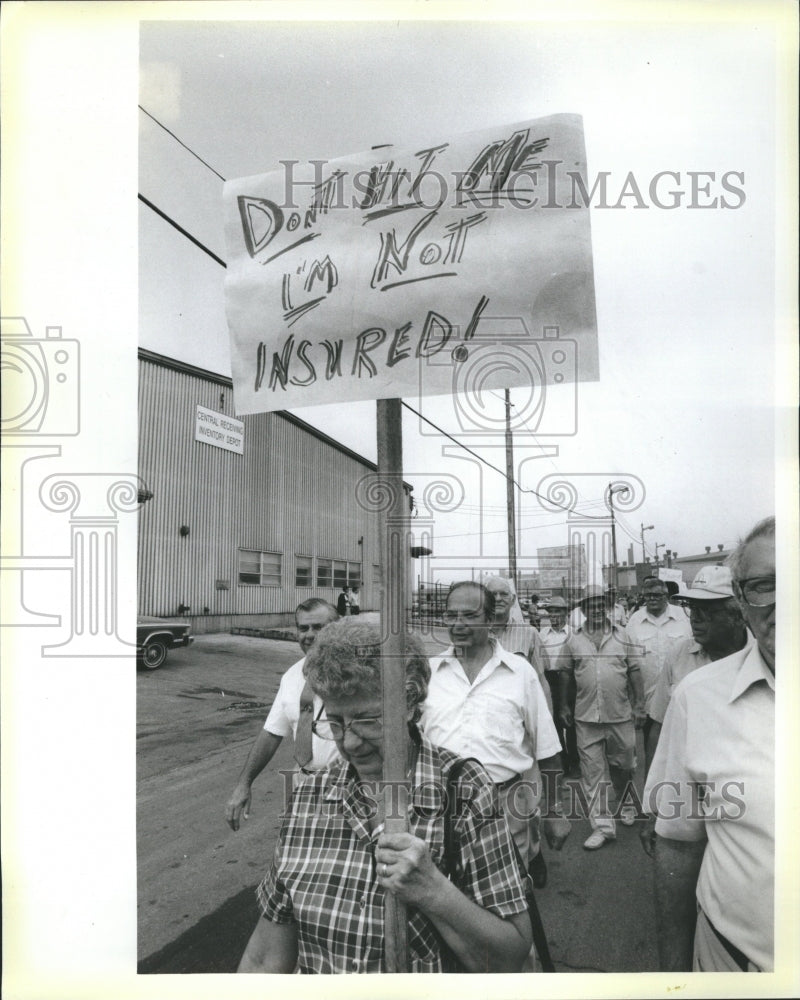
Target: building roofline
pixel 716 554
pixel 187 369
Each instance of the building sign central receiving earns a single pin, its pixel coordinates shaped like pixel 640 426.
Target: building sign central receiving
pixel 219 430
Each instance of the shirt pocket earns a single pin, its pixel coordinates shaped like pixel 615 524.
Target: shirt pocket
pixel 501 721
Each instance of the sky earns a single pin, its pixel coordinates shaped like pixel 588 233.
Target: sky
pixel 686 317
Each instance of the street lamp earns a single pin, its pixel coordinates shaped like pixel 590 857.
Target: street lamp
pixel 648 528
pixel 659 545
pixel 612 489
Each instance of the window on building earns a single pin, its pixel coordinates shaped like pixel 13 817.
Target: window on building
pixel 302 571
pixel 353 574
pixel 324 573
pixel 262 569
pixel 377 573
pixel 339 574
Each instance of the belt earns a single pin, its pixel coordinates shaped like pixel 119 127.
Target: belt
pixel 501 786
pixel 738 956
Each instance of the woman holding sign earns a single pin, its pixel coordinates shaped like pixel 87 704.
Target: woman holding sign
pixel 322 900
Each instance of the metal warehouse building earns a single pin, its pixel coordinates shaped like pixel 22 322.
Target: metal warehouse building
pixel 244 518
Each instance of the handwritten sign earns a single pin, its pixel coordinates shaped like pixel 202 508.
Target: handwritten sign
pixel 403 273
pixel 219 430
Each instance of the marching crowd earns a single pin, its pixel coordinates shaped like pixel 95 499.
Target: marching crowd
pixel 495 722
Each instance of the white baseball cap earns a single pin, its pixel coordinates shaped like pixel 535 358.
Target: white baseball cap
pixel 712 583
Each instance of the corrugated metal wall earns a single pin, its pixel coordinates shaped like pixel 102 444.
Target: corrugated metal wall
pixel 291 492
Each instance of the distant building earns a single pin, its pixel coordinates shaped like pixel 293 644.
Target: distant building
pixel 562 569
pixel 243 518
pixel 690 566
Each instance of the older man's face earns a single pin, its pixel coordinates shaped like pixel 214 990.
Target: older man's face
pixel 595 611
pixel 714 623
pixel 656 599
pixel 503 600
pixel 310 624
pixel 465 617
pixel 759 562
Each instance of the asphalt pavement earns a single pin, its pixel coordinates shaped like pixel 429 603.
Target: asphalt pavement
pixel 196 718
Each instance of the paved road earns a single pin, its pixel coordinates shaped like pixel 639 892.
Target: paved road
pixel 197 716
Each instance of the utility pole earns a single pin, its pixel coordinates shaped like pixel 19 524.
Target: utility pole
pixel 659 545
pixel 612 489
pixel 512 532
pixel 648 528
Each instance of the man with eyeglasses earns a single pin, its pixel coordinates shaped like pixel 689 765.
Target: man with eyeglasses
pixel 487 703
pixel 718 630
pixel 512 631
pixel 712 786
pixel 292 714
pixel 658 627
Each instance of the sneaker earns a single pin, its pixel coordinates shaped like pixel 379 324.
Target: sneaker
pixel 627 816
pixel 595 840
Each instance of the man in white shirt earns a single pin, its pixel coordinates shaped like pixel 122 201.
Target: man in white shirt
pixel 513 633
pixel 657 627
pixel 553 636
pixel 293 700
pixel 487 703
pixel 712 784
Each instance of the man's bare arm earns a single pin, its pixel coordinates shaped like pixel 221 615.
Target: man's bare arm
pixel 261 753
pixel 677 865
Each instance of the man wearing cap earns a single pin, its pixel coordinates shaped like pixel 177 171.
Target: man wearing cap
pixel 718 629
pixel 605 661
pixel 657 627
pixel 553 637
pixel 712 785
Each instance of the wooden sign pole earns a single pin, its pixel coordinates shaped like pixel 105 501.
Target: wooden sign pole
pixel 394 557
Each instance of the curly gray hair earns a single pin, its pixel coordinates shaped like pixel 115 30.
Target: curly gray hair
pixel 345 661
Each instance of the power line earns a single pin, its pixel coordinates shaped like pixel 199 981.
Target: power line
pixel 492 509
pixel 181 230
pixel 569 510
pixel 197 243
pixel 500 531
pixel 182 143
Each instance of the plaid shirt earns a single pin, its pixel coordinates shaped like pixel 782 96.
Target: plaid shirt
pixel 323 873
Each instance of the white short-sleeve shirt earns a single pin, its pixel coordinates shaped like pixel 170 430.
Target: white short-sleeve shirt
pixel 501 718
pixel 719 736
pixel 284 716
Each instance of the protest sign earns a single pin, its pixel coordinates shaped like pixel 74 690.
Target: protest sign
pixel 392 273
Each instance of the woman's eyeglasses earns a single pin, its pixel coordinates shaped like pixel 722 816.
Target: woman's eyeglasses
pixel 365 729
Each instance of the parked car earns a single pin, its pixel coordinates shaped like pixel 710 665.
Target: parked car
pixel 155 637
